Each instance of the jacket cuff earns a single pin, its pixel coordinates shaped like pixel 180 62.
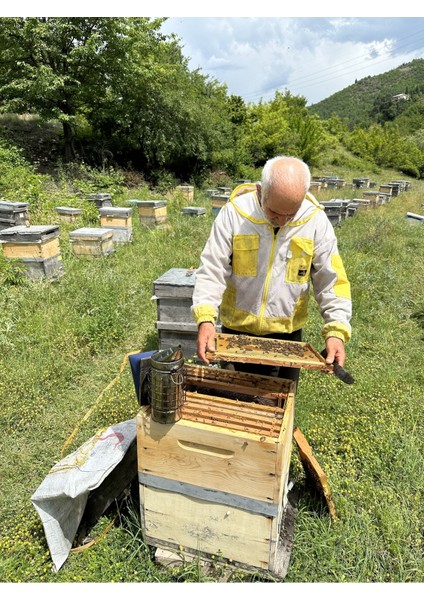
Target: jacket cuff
pixel 338 330
pixel 204 312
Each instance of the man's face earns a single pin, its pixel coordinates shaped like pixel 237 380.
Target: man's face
pixel 277 210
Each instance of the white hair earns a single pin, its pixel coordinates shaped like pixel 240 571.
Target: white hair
pixel 291 166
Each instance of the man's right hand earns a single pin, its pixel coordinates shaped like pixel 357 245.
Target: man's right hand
pixel 205 340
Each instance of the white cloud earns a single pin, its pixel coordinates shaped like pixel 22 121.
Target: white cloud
pixel 310 56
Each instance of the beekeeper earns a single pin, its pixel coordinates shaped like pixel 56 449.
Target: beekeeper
pixel 266 246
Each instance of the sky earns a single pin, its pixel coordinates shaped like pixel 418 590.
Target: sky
pixel 312 57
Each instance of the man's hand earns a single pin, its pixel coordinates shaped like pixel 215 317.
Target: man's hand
pixel 205 340
pixel 335 351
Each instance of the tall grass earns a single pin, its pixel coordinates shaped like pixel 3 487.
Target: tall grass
pixel 63 342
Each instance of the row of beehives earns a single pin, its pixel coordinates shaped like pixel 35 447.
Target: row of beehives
pixel 38 246
pixel 394 187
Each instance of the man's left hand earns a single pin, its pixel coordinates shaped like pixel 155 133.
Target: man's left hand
pixel 335 351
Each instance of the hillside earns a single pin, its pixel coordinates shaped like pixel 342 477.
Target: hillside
pixel 356 102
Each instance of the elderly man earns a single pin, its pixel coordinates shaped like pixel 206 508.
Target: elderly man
pixel 264 249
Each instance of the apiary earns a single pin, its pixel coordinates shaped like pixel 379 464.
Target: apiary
pixel 13 214
pixel 119 221
pixel 37 247
pixel 92 241
pixel 215 482
pixel 187 191
pixel 152 213
pixel 68 214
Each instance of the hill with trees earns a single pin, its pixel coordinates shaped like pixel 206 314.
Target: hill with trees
pixel 371 99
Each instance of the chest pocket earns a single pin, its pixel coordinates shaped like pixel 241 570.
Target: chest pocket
pixel 299 260
pixel 245 255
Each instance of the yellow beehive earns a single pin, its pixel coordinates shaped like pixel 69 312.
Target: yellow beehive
pixel 215 482
pixel 37 247
pixel 187 191
pixel 92 241
pixel 152 212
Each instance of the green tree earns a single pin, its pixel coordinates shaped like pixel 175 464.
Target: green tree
pixel 62 68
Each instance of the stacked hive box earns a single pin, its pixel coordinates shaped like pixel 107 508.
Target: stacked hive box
pixel 13 214
pixel 215 483
pixel 173 293
pixel 152 213
pixel 37 247
pixel 119 221
pixel 92 241
pixel 333 210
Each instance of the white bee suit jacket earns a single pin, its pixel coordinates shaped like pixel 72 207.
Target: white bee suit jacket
pixel 257 280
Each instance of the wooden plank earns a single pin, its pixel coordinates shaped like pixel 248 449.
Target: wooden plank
pixel 267 351
pixel 314 471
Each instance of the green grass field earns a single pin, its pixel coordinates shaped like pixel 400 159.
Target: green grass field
pixel 62 343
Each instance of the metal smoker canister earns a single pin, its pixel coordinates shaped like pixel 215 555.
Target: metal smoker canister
pixel 167 385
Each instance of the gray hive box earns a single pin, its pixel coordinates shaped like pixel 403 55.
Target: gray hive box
pixel 173 292
pixel 193 211
pixel 92 241
pixel 119 220
pixel 37 247
pixel 333 210
pixel 100 199
pixel 414 219
pixel 13 213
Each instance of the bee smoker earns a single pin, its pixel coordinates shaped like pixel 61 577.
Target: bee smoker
pixel 162 379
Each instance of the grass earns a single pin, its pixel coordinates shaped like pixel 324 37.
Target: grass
pixel 62 343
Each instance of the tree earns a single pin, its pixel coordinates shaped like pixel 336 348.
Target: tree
pixel 61 68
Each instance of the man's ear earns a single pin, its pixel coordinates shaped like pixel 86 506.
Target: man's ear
pixel 259 191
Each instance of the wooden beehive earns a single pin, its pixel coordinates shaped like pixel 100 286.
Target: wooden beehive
pixel 13 214
pixel 92 241
pixel 187 191
pixel 215 482
pixel 37 247
pixel 218 201
pixel 119 221
pixel 152 213
pixel 68 214
pixel 100 199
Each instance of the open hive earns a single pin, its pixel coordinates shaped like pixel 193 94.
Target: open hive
pixel 215 482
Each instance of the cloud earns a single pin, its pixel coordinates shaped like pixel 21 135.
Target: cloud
pixel 310 56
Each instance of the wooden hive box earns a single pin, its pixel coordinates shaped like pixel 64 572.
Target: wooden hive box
pixel 13 214
pixel 36 246
pixel 100 199
pixel 152 212
pixel 68 214
pixel 187 191
pixel 119 221
pixel 215 482
pixel 92 241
